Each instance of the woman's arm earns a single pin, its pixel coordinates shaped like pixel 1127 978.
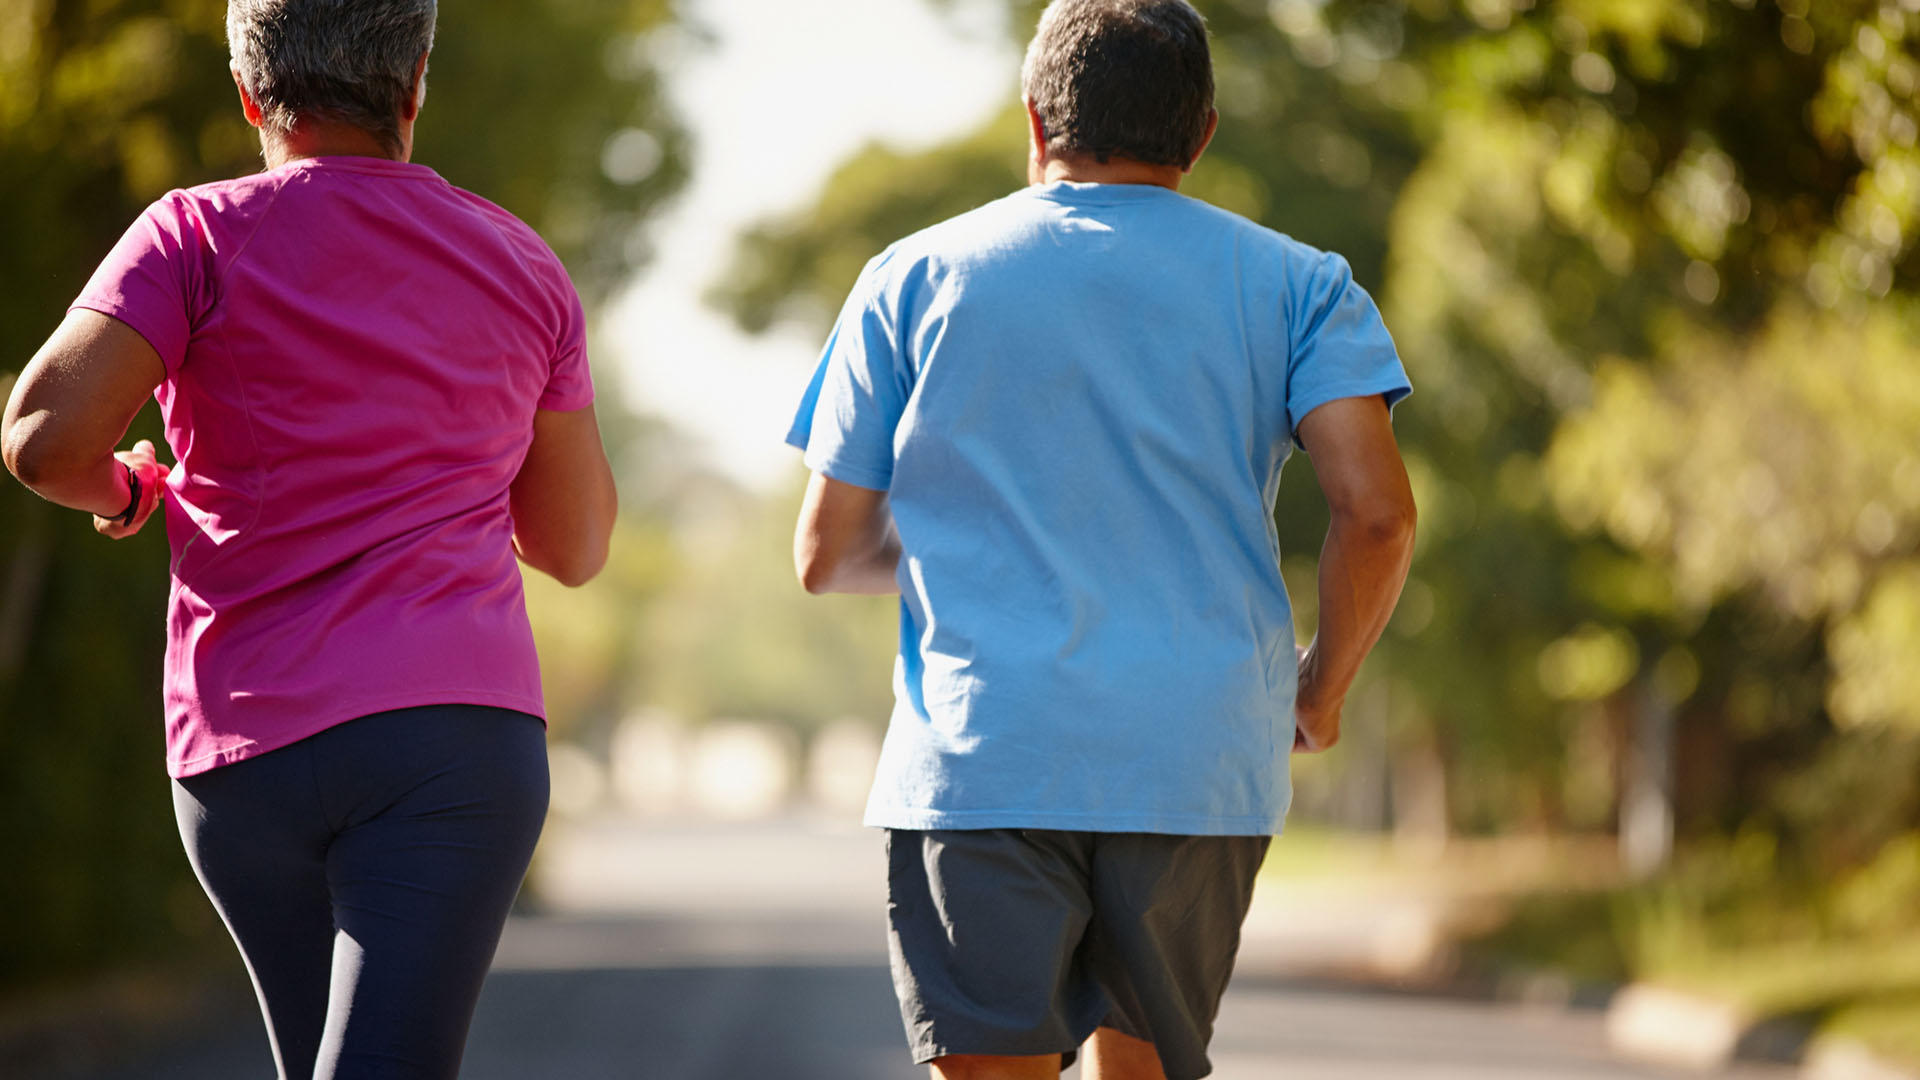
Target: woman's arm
pixel 71 407
pixel 563 500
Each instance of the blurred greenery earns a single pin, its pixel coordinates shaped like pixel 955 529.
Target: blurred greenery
pixel 1651 265
pixel 1652 268
pixel 552 108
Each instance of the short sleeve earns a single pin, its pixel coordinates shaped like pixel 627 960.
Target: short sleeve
pixel 1341 347
pixel 859 390
pixel 155 279
pixel 569 376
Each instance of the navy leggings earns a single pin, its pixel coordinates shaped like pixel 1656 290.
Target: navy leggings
pixel 365 873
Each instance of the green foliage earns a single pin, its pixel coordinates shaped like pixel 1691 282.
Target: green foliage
pixel 104 107
pixel 1650 266
pixel 801 267
pixel 738 637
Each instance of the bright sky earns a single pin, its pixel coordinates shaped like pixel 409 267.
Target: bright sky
pixel 788 89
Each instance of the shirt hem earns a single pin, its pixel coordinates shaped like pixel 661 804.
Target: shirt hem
pixel 178 769
pixel 123 315
pixel 849 473
pixel 1066 821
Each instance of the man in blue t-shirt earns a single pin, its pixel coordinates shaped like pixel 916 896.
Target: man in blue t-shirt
pixel 1054 426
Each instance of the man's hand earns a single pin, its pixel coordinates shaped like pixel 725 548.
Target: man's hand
pixel 143 464
pixel 1316 724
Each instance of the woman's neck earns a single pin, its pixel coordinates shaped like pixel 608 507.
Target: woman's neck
pixel 326 138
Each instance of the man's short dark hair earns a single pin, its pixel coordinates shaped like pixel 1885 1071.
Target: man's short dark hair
pixel 1122 77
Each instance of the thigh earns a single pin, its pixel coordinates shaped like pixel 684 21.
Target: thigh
pixel 436 837
pixel 257 840
pixel 1165 931
pixel 984 929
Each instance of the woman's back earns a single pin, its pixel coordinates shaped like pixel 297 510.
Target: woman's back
pixel 355 350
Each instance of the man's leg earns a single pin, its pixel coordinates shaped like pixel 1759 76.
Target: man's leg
pixel 1166 923
pixel 1114 1055
pixel 986 928
pixel 994 1067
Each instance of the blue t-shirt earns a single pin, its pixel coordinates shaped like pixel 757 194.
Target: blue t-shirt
pixel 1079 398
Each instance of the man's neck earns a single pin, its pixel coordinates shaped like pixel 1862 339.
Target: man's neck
pixel 1085 169
pixel 321 138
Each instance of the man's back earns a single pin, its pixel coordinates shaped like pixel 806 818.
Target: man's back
pixel 1078 399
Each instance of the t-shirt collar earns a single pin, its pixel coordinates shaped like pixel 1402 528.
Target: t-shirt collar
pixel 1081 192
pixel 376 166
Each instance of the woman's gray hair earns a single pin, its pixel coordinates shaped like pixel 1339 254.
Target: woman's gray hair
pixel 349 61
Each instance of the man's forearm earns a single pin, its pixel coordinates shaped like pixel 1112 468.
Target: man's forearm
pixel 1362 568
pixel 870 572
pixel 845 541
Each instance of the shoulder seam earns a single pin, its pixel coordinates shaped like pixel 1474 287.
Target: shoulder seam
pixel 273 201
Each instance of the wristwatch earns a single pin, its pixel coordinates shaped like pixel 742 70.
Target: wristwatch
pixel 125 520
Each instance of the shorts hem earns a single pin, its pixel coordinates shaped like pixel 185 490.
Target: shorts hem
pixel 926 1054
pixel 910 820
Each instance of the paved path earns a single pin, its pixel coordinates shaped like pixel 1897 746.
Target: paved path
pixel 719 953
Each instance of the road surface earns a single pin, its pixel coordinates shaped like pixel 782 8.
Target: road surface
pixel 710 952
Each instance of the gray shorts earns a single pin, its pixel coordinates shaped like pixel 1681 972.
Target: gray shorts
pixel 1023 941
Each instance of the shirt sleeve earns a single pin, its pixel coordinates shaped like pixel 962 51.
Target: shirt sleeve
pixel 156 279
pixel 852 406
pixel 569 376
pixel 1341 348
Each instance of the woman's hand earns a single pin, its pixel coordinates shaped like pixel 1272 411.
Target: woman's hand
pixel 141 463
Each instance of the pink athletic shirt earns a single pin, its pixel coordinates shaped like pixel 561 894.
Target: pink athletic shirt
pixel 354 351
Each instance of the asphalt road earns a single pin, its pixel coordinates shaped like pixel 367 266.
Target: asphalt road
pixel 721 953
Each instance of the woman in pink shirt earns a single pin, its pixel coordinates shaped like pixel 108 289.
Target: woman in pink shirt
pixel 376 389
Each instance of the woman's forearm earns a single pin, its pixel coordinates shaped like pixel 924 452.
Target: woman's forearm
pixel 98 487
pixel 71 407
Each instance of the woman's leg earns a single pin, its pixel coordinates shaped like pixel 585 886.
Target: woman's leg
pixel 257 840
pixel 438 812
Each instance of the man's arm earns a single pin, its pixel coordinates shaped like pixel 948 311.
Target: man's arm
pixel 1364 562
pixel 845 541
pixel 71 407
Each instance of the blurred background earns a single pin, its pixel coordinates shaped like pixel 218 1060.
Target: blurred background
pixel 1648 715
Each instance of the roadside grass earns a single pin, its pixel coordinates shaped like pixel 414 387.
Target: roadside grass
pixel 1466 868
pixel 1889 1024
pixel 1723 924
pixel 1308 852
pixel 1865 989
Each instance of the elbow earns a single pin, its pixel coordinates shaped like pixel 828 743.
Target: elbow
pixel 815 575
pixel 1388 524
pixel 31 460
pixel 572 567
pixel 585 563
pixel 578 571
pixel 1396 527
